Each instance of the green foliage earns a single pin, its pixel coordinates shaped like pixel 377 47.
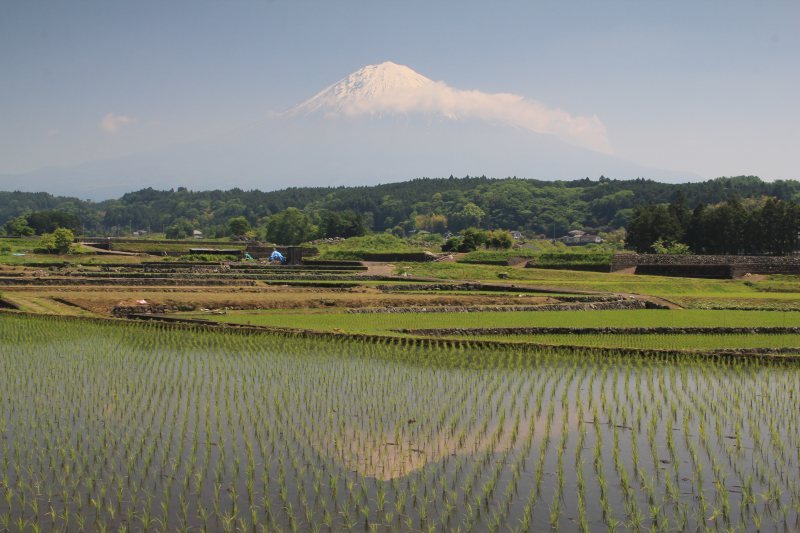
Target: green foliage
pixel 534 206
pixel 671 247
pixel 49 221
pixel 652 223
pixel 472 239
pixel 599 257
pixel 347 223
pixel 494 257
pixel 468 216
pixel 63 239
pixel 355 248
pixel 499 239
pixel 18 226
pixel 239 226
pixel 181 229
pixel 58 242
pixel 432 222
pixel 290 227
pixel 752 226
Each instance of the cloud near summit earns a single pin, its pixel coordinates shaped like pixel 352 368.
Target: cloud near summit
pixel 438 97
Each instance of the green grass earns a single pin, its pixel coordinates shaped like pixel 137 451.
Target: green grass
pixel 666 287
pixel 381 323
pixel 774 301
pixel 355 248
pixel 657 342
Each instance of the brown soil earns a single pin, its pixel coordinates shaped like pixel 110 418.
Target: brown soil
pixel 104 300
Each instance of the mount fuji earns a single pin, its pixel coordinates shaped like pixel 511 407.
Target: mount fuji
pixel 382 123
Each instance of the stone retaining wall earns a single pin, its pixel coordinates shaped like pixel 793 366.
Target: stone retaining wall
pixel 717 266
pixel 615 305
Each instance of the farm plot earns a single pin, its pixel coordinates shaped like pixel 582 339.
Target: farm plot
pixel 388 324
pixel 147 427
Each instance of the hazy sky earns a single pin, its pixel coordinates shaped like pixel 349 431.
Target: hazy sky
pixel 703 86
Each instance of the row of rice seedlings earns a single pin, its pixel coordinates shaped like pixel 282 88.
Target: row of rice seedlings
pixel 149 427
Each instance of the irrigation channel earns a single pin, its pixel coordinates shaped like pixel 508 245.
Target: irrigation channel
pixel 147 426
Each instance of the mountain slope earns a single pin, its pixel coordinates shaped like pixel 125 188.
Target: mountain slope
pixel 382 123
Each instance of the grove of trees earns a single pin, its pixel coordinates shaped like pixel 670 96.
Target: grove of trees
pixel 752 226
pixel 549 208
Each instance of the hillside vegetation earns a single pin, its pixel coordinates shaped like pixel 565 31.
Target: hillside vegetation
pixel 536 207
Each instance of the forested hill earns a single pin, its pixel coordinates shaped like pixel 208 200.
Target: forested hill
pixel 529 205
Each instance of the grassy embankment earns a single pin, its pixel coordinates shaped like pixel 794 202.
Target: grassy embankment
pixel 779 292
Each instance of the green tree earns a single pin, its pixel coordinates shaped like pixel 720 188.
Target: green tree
pixel 63 238
pixel 431 222
pixel 671 247
pixel 49 221
pixel 238 226
pixel 469 216
pixel 19 226
pixel 58 242
pixel 652 223
pixel 499 239
pixel 472 239
pixel 291 227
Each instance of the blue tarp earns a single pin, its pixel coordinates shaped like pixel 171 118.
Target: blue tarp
pixel 277 256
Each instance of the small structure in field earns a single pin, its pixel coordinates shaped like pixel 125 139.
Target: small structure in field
pixel 577 237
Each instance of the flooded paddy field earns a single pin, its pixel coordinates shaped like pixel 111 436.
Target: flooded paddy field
pixel 151 427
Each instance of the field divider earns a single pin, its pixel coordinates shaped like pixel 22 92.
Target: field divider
pixel 655 330
pixel 614 305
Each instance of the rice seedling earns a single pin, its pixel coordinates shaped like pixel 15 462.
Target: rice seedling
pixel 144 426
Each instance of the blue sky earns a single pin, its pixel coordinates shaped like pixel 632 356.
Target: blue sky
pixel 708 87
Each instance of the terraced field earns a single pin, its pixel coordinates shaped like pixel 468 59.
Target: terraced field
pixel 158 428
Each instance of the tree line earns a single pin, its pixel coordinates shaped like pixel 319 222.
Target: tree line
pixel 545 208
pixel 762 225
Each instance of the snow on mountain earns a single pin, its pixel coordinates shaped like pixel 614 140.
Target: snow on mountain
pixel 392 89
pixel 370 89
pixel 381 123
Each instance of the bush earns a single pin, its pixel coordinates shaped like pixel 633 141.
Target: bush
pixel 671 247
pixel 472 239
pixel 501 240
pixel 58 242
pixel 452 244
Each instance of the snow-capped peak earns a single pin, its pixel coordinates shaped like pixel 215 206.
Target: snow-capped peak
pixel 392 89
pixel 369 89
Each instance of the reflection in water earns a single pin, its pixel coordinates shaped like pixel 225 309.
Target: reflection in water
pixel 145 427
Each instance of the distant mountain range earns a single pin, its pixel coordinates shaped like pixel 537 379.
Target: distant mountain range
pixel 382 123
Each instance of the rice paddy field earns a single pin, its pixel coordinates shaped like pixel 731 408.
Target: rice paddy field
pixel 703 337
pixel 154 427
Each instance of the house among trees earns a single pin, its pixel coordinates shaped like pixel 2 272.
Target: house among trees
pixel 577 237
pixel 197 234
pixel 517 235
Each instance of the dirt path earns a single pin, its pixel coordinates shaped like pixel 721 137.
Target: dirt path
pixel 375 268
pixel 655 299
pixel 100 251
